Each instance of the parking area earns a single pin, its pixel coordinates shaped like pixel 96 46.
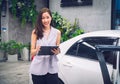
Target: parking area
pixel 14 72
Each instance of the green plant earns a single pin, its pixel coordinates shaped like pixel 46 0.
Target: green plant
pixel 3 46
pixel 25 10
pixel 68 30
pixel 0 2
pixel 11 47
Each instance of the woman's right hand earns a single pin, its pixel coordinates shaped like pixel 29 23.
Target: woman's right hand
pixel 37 49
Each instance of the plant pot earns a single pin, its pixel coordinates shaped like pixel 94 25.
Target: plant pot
pixel 24 54
pixel 12 58
pixel 1 55
pixel 12 51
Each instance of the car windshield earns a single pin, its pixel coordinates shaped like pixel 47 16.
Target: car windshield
pixel 85 48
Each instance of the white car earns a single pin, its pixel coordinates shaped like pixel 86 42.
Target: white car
pixel 78 62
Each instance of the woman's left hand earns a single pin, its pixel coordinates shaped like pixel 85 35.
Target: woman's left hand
pixel 56 51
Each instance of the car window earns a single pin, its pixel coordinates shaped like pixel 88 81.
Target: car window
pixel 84 49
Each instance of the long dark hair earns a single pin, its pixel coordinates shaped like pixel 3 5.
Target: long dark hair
pixel 39 26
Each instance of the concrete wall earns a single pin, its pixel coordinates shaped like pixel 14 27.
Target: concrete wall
pixel 22 34
pixel 91 18
pixel 17 32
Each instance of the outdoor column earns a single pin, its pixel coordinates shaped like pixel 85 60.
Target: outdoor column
pixel 4 24
pixel 4 21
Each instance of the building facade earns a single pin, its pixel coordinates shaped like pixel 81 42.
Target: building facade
pixel 93 15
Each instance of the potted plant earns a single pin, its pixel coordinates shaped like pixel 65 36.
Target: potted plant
pixel 14 47
pixel 11 47
pixel 3 48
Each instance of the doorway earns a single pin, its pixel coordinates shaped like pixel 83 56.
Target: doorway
pixel 115 19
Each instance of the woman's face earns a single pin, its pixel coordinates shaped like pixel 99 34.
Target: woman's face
pixel 46 19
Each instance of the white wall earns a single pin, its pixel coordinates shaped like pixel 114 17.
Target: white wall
pixel 91 18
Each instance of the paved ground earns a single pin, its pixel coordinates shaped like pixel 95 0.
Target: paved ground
pixel 14 72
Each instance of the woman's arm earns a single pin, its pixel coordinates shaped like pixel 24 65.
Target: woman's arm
pixel 34 49
pixel 58 38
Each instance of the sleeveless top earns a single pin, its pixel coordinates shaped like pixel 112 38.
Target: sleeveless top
pixel 42 65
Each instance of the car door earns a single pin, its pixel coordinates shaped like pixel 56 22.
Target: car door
pixel 116 79
pixel 80 71
pixel 80 64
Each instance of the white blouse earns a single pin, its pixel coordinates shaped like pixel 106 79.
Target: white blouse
pixel 42 65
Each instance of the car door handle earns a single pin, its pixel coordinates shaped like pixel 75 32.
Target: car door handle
pixel 67 64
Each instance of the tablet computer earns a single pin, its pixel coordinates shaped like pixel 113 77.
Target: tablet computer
pixel 46 50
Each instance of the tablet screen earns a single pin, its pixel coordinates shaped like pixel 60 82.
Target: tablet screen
pixel 46 50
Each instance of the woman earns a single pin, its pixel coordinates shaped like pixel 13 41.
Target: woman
pixel 44 69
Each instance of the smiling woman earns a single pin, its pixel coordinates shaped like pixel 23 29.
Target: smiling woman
pixel 44 35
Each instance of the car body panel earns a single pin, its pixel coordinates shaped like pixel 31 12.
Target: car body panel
pixel 76 70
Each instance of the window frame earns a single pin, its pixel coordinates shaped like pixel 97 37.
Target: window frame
pixel 70 3
pixel 115 39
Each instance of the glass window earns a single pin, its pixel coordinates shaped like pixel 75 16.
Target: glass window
pixel 85 49
pixel 69 3
pixel 117 14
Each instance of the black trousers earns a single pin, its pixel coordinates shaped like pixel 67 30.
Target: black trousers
pixel 45 79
